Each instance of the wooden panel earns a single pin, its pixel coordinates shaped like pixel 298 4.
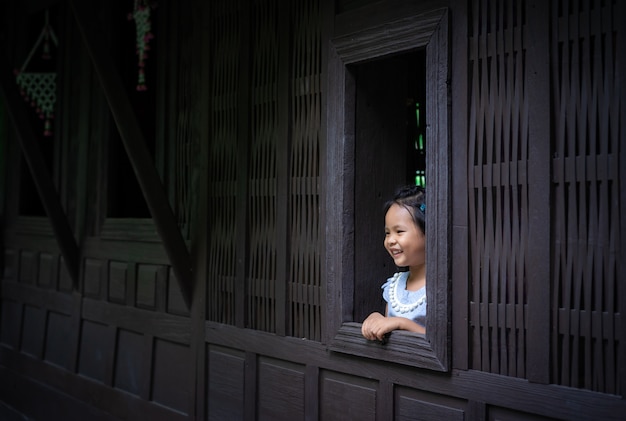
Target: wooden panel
pixel 117 281
pixel 170 382
pixel 498 186
pixel 65 281
pixel 10 263
pixel 47 276
pixel 57 347
pixel 175 300
pixel 33 331
pixel 588 135
pixel 345 397
pixel 413 404
pixel 92 278
pixel 280 387
pixel 151 281
pixel 96 351
pixel 225 369
pixel 38 297
pixel 129 361
pixel 28 266
pixel 11 327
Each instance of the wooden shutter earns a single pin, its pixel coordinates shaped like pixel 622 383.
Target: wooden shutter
pixel 587 141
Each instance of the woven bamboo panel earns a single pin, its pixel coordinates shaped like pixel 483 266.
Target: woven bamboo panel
pixel 261 272
pixel 586 338
pixel 305 266
pixel 498 195
pixel 223 163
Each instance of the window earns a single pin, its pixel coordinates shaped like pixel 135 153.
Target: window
pixel 386 157
pixel 384 53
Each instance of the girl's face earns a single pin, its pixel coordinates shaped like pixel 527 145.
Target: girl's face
pixel 404 240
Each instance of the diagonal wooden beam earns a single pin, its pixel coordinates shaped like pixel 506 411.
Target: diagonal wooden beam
pixel 135 145
pixel 27 139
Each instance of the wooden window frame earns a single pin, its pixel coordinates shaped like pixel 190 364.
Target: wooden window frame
pixel 421 29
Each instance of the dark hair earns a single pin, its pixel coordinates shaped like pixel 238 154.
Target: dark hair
pixel 413 198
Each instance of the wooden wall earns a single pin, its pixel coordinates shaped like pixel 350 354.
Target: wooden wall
pixel 244 153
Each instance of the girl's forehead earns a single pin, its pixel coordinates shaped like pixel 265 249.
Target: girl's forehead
pixel 398 212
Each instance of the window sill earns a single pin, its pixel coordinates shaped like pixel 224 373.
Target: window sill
pixel 401 347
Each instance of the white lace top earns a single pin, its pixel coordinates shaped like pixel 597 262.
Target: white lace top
pixel 403 303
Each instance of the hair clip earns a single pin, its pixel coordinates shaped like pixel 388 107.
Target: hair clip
pixel 423 208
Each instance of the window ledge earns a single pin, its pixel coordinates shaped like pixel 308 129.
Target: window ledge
pixel 401 347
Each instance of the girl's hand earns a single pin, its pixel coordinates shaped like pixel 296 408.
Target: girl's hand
pixel 376 326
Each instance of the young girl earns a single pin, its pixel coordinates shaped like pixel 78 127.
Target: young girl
pixel 405 292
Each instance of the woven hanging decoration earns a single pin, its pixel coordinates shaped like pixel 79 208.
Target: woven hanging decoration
pixel 39 88
pixel 141 16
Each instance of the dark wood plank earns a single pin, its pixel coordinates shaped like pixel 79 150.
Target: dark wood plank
pixel 39 170
pixel 538 255
pixel 363 16
pixel 438 203
pixel 135 145
pixel 335 195
pixel 161 325
pixel 460 188
pixel 621 266
pixel 378 40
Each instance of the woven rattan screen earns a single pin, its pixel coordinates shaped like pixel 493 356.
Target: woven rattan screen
pixel 586 221
pixel 264 167
pixel 583 199
pixel 498 186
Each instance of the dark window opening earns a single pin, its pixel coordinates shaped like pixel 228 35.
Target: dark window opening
pixel 389 152
pixel 40 59
pixel 124 196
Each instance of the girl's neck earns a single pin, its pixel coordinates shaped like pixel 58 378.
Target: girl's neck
pixel 417 278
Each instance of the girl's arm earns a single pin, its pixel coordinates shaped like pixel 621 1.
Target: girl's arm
pixel 376 326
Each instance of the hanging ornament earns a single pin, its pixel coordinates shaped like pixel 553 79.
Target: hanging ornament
pixel 39 88
pixel 141 16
